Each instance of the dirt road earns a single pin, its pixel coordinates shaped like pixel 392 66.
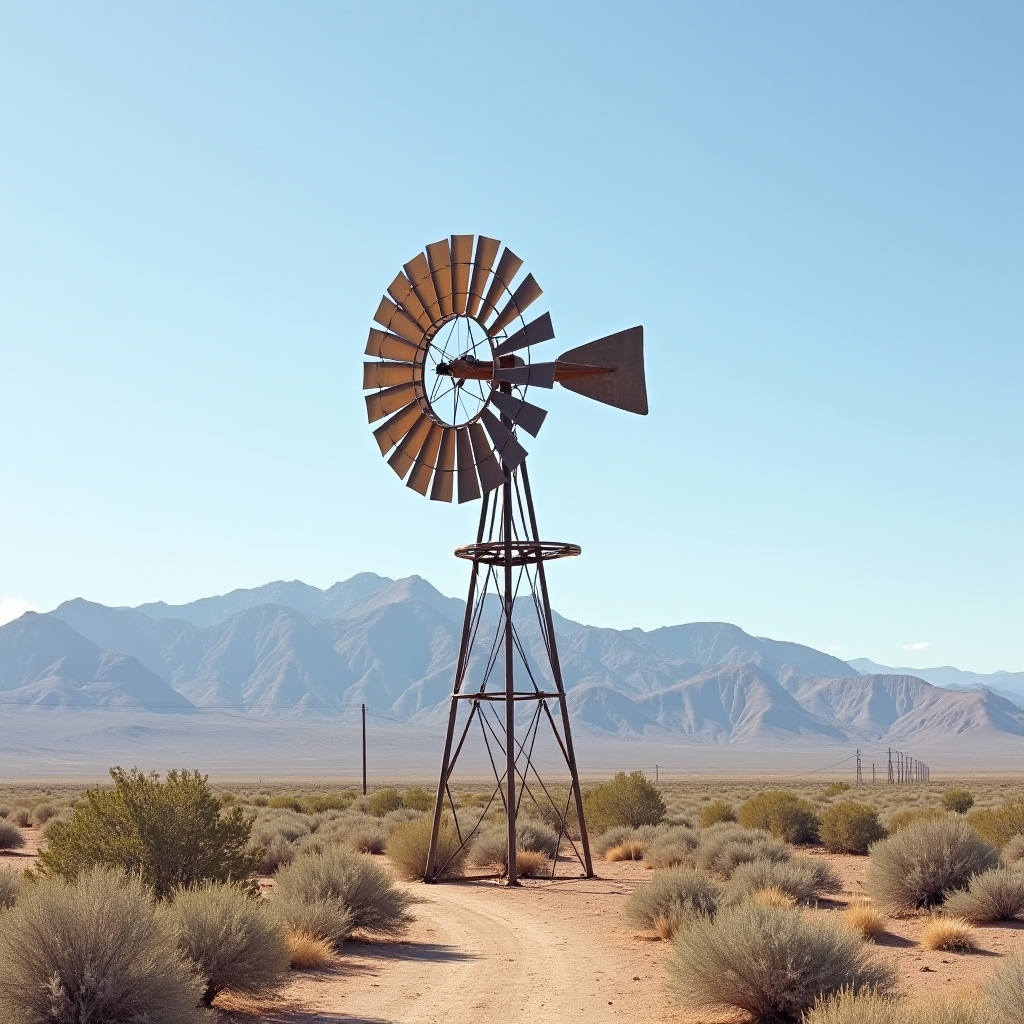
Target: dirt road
pixel 479 952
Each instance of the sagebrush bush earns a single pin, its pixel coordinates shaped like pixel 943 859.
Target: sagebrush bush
pixel 958 800
pixel 614 836
pixel 20 817
pixel 491 846
pixel 1005 991
pixel 625 800
pixel 383 801
pixel 673 848
pixel 864 918
pixel 326 920
pixel 715 812
pixel 408 845
pixel 367 838
pixel 536 837
pixel 850 827
pixel 801 878
pixel 785 815
pixel 998 825
pixel 996 895
pixel 351 881
pixel 42 813
pixel 275 854
pixel 92 952
pixel 1013 851
pixel 11 837
pixel 672 899
pixel 10 886
pixel 171 833
pixel 948 933
pixel 917 866
pixel 770 962
pixel 723 851
pixel 236 942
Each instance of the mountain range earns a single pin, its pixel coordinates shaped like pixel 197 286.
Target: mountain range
pixel 294 652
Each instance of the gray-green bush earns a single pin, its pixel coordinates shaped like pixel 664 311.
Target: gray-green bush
pixel 624 800
pixel 769 962
pixel 1005 991
pixel 92 952
pixel 671 900
pixel 10 886
pixel 351 881
pixel 723 848
pixel 916 867
pixel 802 878
pixel 11 837
pixel 996 895
pixel 1013 851
pixel 785 815
pixel 674 848
pixel 236 942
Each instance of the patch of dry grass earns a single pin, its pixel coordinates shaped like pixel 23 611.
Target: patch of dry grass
pixel 631 849
pixel 772 896
pixel 948 933
pixel 530 863
pixel 864 918
pixel 308 953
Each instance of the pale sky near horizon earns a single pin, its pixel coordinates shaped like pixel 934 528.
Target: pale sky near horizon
pixel 814 210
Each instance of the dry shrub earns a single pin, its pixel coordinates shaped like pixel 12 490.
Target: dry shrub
pixel 536 837
pixel 368 838
pixel 236 942
pixel 274 855
pixel 92 952
pixel 773 897
pixel 20 817
pixel 862 917
pixel 10 836
pixel 615 836
pixel 625 800
pixel 960 801
pixel 850 827
pixel 42 813
pixel 715 812
pixel 722 849
pixel 870 1008
pixel 998 825
pixel 801 878
pixel 408 845
pixel 307 953
pixel 671 900
pixel 917 866
pixel 631 849
pixel 384 801
pixel 1005 991
pixel 531 863
pixel 348 882
pixel 948 933
pixel 673 848
pixel 1013 851
pixel 770 962
pixel 10 886
pixel 991 896
pixel 834 789
pixel 785 815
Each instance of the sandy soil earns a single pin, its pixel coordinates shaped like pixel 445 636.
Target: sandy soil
pixel 548 952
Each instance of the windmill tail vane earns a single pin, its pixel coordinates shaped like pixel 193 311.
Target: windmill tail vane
pixel 449 370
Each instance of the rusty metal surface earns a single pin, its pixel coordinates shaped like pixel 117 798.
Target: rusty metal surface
pixel 623 352
pixel 444 473
pixel 391 432
pixel 524 552
pixel 525 295
pixel 508 267
pixel 532 334
pixel 483 260
pixel 469 486
pixel 522 413
pixel 390 346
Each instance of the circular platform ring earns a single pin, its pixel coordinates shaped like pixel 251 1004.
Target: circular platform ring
pixel 524 552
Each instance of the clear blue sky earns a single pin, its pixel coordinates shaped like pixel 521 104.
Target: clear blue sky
pixel 814 209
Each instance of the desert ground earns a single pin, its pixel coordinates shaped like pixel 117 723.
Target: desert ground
pixel 550 950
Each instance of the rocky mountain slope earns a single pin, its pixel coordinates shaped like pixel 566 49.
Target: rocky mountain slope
pixel 293 651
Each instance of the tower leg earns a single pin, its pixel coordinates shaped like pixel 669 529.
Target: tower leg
pixel 510 703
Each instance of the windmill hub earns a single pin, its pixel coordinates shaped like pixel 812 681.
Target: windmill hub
pixel 450 367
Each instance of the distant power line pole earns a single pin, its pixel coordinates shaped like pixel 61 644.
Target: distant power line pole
pixel 363 710
pixel 890 767
pixel 872 773
pixel 860 781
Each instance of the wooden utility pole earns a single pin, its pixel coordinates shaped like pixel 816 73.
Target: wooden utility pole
pixel 363 706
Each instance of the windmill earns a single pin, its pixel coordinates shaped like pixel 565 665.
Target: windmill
pixel 449 371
